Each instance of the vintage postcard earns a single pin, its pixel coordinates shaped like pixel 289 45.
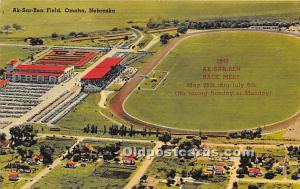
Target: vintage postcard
pixel 142 94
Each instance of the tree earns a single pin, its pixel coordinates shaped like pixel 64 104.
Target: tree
pixel 22 152
pixel 270 175
pixel 196 174
pixel 36 41
pixel 2 137
pixel 235 185
pixel 252 186
pixel 72 34
pixel 182 29
pixel 6 27
pixel 54 35
pixel 171 174
pixel 47 153
pixel 17 26
pixel 166 137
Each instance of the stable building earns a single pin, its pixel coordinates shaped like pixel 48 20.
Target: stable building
pixel 40 73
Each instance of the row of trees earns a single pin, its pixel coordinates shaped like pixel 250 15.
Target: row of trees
pixel 54 35
pixel 34 41
pixel 7 27
pixel 122 130
pixel 246 134
pixel 219 23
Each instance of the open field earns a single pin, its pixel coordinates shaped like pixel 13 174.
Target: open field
pixel 128 13
pixel 8 53
pixel 262 58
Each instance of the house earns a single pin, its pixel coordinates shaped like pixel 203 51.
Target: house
pixel 71 164
pixel 253 172
pixel 210 167
pixel 5 144
pixel 219 170
pixel 129 160
pixel 13 176
pixel 282 164
pixel 38 158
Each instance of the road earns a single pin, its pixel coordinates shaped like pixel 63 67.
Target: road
pixel 142 169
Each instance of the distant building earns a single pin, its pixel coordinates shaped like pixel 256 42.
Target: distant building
pixel 271 28
pixel 219 170
pixel 40 73
pixel 253 172
pixel 129 160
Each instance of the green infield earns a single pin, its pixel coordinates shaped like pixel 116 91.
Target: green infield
pixel 39 22
pixel 224 81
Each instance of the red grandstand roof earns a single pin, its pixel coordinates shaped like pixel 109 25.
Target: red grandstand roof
pixel 102 68
pixel 35 67
pixel 96 73
pixel 3 82
pixel 110 62
pixel 37 74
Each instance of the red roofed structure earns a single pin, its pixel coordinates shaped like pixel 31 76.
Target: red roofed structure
pixel 3 82
pixel 96 73
pixel 41 68
pixel 103 68
pixel 36 73
pixel 67 57
pixel 110 62
pixel 102 74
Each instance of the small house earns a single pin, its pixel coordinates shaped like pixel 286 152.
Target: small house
pixel 13 176
pixel 71 164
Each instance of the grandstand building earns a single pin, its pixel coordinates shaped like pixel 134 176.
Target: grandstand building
pixel 104 73
pixel 35 73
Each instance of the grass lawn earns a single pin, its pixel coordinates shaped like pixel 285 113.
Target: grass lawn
pixel 130 13
pixel 8 53
pixel 267 60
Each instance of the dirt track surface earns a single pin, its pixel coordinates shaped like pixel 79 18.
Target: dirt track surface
pixel 116 104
